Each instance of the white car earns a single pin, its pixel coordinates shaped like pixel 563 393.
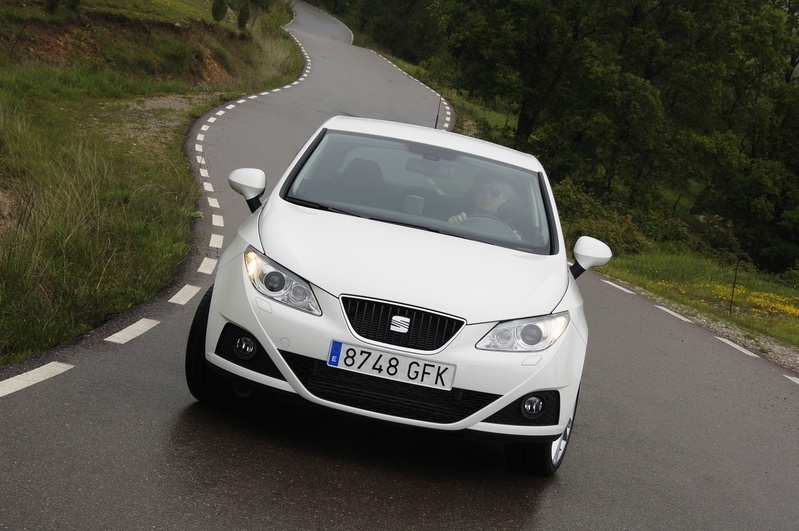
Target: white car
pixel 379 279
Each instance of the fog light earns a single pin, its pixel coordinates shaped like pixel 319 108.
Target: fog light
pixel 532 407
pixel 245 347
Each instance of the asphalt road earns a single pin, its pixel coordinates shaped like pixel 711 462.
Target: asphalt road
pixel 676 429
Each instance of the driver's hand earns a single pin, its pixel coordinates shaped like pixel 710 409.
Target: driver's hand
pixel 457 218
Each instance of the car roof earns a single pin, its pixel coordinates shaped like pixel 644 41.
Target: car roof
pixel 434 137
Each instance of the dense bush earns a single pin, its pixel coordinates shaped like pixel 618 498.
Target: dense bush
pixel 583 214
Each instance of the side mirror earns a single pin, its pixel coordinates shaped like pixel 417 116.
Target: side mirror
pixel 589 252
pixel 249 182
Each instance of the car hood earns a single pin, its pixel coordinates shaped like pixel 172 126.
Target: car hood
pixel 348 255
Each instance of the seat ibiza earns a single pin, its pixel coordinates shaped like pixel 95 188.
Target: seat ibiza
pixel 405 274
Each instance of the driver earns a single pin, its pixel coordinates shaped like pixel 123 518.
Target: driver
pixel 487 196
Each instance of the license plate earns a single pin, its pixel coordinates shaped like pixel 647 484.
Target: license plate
pixel 391 366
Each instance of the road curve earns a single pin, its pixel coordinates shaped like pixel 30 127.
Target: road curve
pixel 676 428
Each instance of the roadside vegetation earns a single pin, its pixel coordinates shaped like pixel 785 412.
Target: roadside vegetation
pixel 97 200
pixel 668 129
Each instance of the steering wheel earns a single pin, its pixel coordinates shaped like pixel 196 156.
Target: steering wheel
pixel 489 225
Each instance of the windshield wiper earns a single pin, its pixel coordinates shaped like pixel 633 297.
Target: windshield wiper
pixel 323 206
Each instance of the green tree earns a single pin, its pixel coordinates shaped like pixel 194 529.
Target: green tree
pixel 51 5
pixel 219 10
pixel 405 29
pixel 629 98
pixel 752 175
pixel 244 14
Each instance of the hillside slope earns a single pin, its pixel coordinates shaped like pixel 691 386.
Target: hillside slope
pixel 96 198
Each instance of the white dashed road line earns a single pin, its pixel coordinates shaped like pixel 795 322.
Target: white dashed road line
pixel 133 331
pixel 675 314
pixel 185 294
pixel 792 378
pixel 208 265
pixel 625 290
pixel 737 347
pixel 35 376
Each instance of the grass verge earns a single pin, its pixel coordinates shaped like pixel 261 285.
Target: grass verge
pixel 96 197
pixel 733 293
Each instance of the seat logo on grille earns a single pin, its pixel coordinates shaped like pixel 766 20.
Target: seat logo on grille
pixel 400 324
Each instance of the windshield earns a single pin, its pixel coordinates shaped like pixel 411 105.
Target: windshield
pixel 425 187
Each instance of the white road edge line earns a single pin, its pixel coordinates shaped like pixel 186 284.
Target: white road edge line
pixel 792 378
pixel 185 294
pixel 737 347
pixel 21 381
pixel 132 332
pixel 625 290
pixel 675 314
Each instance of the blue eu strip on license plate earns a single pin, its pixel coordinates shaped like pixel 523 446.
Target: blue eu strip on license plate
pixel 416 371
pixel 335 354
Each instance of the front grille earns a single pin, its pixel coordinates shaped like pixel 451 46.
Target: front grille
pixel 512 413
pixel 260 362
pixel 372 320
pixel 389 397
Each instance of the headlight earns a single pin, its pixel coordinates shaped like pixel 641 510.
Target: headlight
pixel 279 284
pixel 526 335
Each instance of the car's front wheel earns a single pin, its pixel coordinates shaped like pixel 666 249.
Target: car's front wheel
pixel 542 459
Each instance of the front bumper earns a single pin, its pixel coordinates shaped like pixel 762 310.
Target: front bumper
pixel 292 348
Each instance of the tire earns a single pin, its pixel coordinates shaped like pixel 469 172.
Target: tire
pixel 205 385
pixel 541 459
